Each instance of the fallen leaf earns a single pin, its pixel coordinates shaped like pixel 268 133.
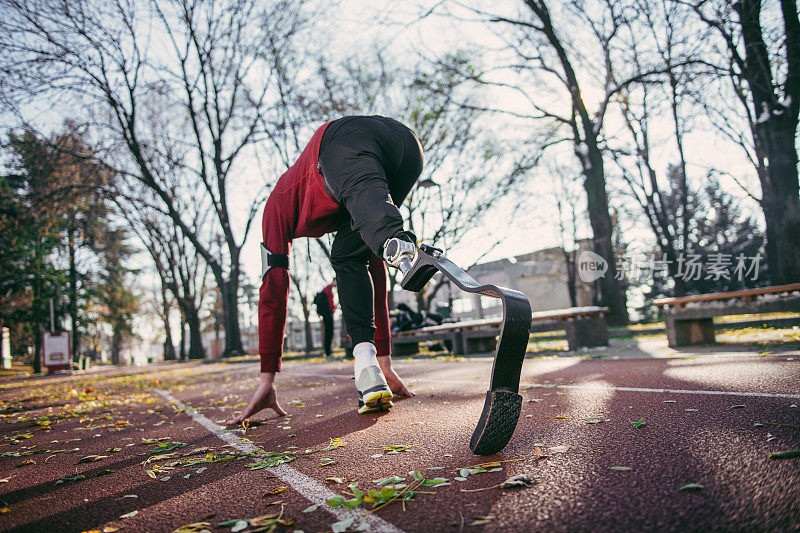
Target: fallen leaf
pixel 692 486
pixel 92 458
pixel 342 525
pixel 389 481
pixel 740 406
pixel 5 510
pixel 311 508
pixel 335 501
pixel 620 468
pixel 482 520
pixel 785 454
pixel 129 515
pixel 276 491
pixel 240 525
pixel 559 449
pixel 264 520
pixel 110 529
pixel 334 480
pixel 520 481
pixel 193 528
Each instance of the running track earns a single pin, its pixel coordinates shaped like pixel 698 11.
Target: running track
pixel 710 418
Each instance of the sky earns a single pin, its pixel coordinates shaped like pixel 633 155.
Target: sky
pixel 352 27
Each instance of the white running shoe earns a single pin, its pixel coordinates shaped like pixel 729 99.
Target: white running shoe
pixel 373 392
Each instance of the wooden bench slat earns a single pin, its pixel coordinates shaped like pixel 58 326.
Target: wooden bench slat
pixel 727 295
pixel 556 314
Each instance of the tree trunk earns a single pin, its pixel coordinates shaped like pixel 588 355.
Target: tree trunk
pixel 420 297
pixel 73 291
pixel 230 310
pixel 588 152
pixel 116 342
pixel 781 205
pixel 190 317
pixel 569 259
pixel 183 337
pixel 196 350
pixel 775 135
pixel 307 326
pixel 37 304
pixel 169 347
pixel 611 294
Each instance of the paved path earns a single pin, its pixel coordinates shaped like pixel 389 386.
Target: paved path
pixel 710 418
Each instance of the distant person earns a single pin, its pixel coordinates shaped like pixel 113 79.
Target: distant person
pixel 325 305
pixel 350 179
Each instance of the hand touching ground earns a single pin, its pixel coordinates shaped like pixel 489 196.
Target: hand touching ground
pixel 396 384
pixel 265 397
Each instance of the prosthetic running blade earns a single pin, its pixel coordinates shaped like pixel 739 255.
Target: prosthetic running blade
pixel 503 403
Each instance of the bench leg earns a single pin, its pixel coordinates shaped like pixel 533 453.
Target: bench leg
pixel 481 345
pixel 689 332
pixel 587 332
pixel 457 343
pixel 405 348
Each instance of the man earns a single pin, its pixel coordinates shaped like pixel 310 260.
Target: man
pixel 350 179
pixel 325 305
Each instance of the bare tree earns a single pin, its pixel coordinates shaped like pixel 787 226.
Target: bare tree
pixel 221 70
pixel 570 224
pixel 465 168
pixel 180 270
pixel 762 61
pixel 546 65
pixel 660 33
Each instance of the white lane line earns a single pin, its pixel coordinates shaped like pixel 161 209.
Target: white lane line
pixel 304 485
pixel 582 387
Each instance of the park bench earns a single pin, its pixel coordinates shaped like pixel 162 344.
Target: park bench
pixel 584 326
pixel 690 319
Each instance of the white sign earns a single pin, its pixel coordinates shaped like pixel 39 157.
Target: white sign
pixel 56 347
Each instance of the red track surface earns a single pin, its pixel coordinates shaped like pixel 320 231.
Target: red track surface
pixel 717 446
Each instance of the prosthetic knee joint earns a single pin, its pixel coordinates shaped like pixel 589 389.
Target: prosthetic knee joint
pixel 400 254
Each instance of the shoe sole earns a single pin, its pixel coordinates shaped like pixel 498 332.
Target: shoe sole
pixel 376 402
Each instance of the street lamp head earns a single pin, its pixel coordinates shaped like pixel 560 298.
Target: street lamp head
pixel 427 183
